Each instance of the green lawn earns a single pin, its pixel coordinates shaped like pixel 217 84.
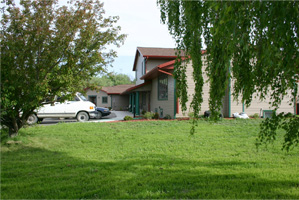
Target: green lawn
pixel 154 159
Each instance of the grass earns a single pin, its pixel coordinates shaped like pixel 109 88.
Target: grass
pixel 154 159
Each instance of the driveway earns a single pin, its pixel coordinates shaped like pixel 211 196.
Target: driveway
pixel 114 116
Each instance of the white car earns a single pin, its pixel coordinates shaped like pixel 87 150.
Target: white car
pixel 78 108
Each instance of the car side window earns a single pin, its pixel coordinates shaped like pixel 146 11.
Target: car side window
pixel 76 98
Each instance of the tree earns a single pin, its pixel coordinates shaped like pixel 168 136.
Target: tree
pixel 47 49
pixel 111 79
pixel 253 42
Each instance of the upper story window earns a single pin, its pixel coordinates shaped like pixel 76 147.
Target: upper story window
pixel 163 87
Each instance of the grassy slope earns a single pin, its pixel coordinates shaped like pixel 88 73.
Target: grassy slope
pixel 157 159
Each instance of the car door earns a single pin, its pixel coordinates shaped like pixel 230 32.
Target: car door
pixel 57 109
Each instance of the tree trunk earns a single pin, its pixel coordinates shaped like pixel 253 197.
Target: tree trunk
pixel 14 129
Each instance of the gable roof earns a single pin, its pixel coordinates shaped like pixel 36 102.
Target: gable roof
pixel 118 89
pixel 165 68
pixel 136 87
pixel 155 52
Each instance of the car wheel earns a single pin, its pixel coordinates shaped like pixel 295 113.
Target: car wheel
pixel 99 115
pixel 82 117
pixel 32 119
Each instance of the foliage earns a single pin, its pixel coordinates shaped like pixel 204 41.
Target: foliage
pixel 149 115
pixel 128 118
pixel 143 112
pixel 111 79
pixel 253 43
pixel 255 116
pixel 47 49
pixel 147 160
pixel 287 122
pixel 167 116
pixel 156 115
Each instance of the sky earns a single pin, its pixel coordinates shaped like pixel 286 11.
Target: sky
pixel 140 20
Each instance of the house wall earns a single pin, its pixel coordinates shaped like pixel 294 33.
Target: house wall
pixel 228 101
pixel 257 106
pixel 99 96
pixel 139 69
pixel 166 105
pixel 152 63
pixel 120 102
pixel 190 90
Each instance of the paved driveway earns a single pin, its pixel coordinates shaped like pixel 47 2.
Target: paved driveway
pixel 114 116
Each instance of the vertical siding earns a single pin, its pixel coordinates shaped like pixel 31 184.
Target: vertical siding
pixel 152 63
pixel 120 102
pixel 166 105
pixel 190 90
pixel 257 105
pixel 99 95
pixel 139 69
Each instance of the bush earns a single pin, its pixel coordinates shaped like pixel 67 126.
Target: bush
pixel 127 118
pixel 148 115
pixel 143 112
pixel 255 116
pixel 156 116
pixel 191 115
pixel 167 116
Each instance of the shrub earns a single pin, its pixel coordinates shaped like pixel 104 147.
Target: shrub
pixel 191 115
pixel 167 116
pixel 127 118
pixel 156 116
pixel 143 112
pixel 255 116
pixel 148 115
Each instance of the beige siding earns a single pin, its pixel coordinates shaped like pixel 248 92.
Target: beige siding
pixel 166 105
pixel 99 96
pixel 257 106
pixel 139 69
pixel 120 102
pixel 190 90
pixel 151 64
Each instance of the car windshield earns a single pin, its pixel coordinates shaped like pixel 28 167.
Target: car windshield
pixel 82 97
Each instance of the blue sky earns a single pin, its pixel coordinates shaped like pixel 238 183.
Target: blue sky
pixel 140 19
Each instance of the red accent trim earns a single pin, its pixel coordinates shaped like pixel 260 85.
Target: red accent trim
pixel 157 56
pixel 113 93
pixel 177 106
pixel 159 70
pixel 137 86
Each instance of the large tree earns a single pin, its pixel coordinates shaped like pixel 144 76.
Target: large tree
pixel 47 49
pixel 253 42
pixel 111 79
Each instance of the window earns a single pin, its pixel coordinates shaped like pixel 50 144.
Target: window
pixel 163 87
pixel 104 99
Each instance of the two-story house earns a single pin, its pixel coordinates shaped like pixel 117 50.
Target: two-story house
pixel 155 88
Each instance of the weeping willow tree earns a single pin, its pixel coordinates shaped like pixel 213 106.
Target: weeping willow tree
pixel 255 43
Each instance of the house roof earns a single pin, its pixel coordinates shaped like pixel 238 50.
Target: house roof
pixel 136 87
pixel 155 52
pixel 165 68
pixel 118 89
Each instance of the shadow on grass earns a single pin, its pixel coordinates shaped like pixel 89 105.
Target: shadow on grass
pixel 32 173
